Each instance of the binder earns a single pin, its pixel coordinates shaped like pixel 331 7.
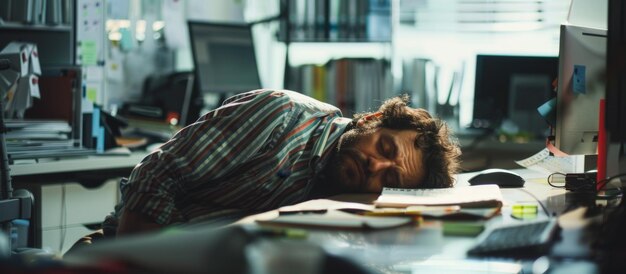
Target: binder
pixel 53 12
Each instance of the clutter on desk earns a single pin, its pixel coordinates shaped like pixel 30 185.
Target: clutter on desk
pixel 543 162
pixel 432 212
pixel 32 139
pixel 524 211
pixel 20 83
pixel 336 219
pixel 330 214
pixel 48 127
pixel 519 240
pixel 150 129
pixel 342 215
pixel 166 105
pixel 463 228
pixel 479 196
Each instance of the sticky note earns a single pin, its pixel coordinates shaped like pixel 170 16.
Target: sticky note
pixel 92 94
pixel 88 52
pixel 579 80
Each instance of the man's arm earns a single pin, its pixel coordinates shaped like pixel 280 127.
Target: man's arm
pixel 195 158
pixel 131 222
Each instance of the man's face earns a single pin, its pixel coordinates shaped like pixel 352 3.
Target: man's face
pixel 369 161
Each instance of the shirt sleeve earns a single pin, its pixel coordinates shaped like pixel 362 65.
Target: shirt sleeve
pixel 206 151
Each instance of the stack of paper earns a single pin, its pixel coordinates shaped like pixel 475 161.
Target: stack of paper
pixel 481 196
pixel 336 219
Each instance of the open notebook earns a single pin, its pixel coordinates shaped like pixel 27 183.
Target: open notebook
pixel 480 196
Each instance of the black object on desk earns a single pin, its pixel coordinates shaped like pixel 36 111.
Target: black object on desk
pixel 528 239
pixel 500 177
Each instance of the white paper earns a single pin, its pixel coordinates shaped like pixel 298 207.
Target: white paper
pixel 469 196
pixel 34 86
pixel 35 67
pixel 542 161
pixel 94 74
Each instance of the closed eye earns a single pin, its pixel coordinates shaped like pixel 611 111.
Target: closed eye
pixel 388 148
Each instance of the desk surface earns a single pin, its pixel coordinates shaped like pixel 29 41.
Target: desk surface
pixel 424 248
pixel 406 249
pixel 78 164
pixel 90 170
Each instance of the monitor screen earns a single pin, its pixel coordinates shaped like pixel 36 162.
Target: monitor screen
pixel 224 57
pixel 581 86
pixel 509 89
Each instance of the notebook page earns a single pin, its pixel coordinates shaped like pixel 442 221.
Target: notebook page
pixel 467 196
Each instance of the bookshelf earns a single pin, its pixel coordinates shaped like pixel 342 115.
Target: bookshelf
pixel 48 24
pixel 336 21
pixel 356 35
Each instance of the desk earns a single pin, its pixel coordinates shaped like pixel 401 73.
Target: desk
pixel 424 248
pixel 73 168
pixel 406 249
pixel 70 195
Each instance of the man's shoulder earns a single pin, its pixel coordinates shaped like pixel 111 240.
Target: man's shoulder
pixel 308 103
pixel 292 98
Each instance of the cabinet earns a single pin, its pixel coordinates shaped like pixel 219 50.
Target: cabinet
pixel 72 195
pixel 65 212
pixel 355 35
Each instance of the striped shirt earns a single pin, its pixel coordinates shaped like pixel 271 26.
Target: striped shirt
pixel 258 151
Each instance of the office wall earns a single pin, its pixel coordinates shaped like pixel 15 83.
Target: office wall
pixel 151 36
pixel 441 32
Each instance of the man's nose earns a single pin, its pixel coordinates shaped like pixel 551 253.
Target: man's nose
pixel 376 164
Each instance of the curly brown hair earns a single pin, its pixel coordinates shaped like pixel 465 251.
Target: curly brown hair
pixel 440 150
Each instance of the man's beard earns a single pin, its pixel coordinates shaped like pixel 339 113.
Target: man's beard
pixel 346 170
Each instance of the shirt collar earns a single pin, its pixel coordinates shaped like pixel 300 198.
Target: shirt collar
pixel 332 131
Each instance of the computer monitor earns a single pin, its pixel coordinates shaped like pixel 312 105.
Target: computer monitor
pixel 581 86
pixel 224 57
pixel 509 89
pixel 616 68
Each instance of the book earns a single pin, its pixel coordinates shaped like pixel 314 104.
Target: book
pixel 328 214
pixel 450 212
pixel 336 219
pixel 480 196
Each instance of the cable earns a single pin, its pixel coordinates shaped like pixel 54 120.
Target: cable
pixel 602 184
pixel 550 179
pixel 543 207
pixel 63 221
pixel 606 181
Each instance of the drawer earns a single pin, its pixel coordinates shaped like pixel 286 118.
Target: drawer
pixel 58 240
pixel 72 204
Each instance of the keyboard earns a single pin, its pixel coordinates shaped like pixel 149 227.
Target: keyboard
pixel 519 240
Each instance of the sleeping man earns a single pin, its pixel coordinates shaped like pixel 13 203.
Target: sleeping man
pixel 268 148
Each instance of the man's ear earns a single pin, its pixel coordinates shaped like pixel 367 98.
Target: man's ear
pixel 369 117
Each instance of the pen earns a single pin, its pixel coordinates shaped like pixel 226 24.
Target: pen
pixel 304 211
